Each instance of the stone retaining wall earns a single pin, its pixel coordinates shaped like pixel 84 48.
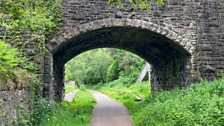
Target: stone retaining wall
pixel 13 107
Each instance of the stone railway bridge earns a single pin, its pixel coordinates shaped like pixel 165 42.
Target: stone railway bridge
pixel 182 40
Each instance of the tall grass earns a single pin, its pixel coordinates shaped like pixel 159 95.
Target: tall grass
pixel 202 104
pixel 76 113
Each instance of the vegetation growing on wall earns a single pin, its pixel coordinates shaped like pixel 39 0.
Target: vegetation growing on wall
pixel 24 27
pixel 143 4
pixel 28 18
pixel 12 74
pixel 8 60
pixel 24 24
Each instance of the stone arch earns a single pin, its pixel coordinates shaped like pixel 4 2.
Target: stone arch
pixel 184 42
pixel 74 41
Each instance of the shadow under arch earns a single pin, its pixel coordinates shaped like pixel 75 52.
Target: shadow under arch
pixel 170 62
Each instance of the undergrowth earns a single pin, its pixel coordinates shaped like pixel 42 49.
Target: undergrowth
pixel 78 112
pixel 200 104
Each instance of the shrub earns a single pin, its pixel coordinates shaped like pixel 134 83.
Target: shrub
pixel 12 74
pixel 40 109
pixel 8 60
pixel 200 104
pixel 113 71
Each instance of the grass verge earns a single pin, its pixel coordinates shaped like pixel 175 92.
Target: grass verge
pixel 202 104
pixel 76 113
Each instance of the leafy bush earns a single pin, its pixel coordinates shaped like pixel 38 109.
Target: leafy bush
pixel 12 75
pixel 8 60
pixel 200 104
pixel 112 72
pixel 40 109
pixel 83 87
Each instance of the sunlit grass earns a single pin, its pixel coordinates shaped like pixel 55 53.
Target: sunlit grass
pixel 127 93
pixel 76 113
pixel 70 88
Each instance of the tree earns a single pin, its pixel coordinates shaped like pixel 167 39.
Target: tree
pixel 104 65
pixel 113 71
pixel 99 63
pixel 89 67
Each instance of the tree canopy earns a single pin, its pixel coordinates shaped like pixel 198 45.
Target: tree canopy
pixel 103 65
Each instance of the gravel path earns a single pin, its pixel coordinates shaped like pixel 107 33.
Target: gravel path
pixel 109 112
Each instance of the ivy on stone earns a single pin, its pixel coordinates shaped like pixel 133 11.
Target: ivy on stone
pixel 25 25
pixel 28 22
pixel 143 4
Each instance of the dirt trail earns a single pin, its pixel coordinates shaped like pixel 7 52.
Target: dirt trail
pixel 109 112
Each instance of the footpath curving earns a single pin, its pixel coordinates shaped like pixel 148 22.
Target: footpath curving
pixel 109 112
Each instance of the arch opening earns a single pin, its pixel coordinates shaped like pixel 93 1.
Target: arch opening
pixel 103 66
pixel 170 62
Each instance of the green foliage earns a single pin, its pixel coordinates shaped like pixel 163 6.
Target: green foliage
pixel 143 4
pixel 31 14
pixel 12 73
pixel 78 112
pixel 26 24
pixel 89 67
pixel 112 72
pixel 83 99
pixel 41 109
pixel 130 65
pixel 8 60
pixel 69 88
pixel 200 104
pixel 125 93
pixel 104 65
pixel 83 87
